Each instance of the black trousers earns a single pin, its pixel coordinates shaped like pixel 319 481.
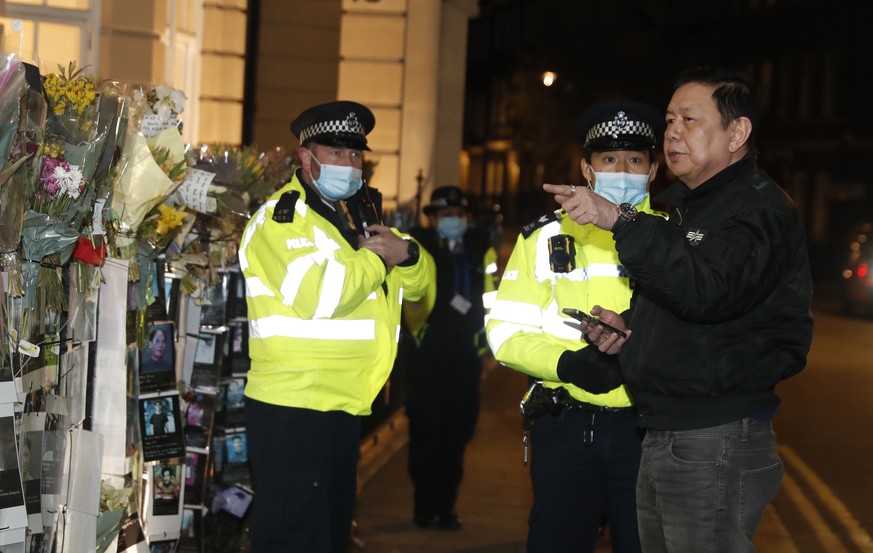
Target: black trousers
pixel 442 406
pixel 576 486
pixel 304 466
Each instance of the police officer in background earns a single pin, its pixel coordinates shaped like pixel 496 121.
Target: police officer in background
pixel 323 287
pixel 444 364
pixel 585 446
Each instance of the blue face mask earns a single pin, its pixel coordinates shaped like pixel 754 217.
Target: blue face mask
pixel 620 188
pixel 337 182
pixel 452 227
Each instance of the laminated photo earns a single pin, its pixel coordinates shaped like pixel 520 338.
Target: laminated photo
pixel 161 427
pixel 157 365
pixel 199 417
pixel 166 488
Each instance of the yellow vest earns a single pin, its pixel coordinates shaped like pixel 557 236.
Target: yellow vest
pixel 323 331
pixel 526 328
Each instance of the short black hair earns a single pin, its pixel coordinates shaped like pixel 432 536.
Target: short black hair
pixel 733 94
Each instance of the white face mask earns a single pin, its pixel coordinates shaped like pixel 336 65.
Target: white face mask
pixel 452 227
pixel 337 182
pixel 620 188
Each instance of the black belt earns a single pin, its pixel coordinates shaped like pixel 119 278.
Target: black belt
pixel 574 404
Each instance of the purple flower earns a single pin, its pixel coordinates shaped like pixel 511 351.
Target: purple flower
pixel 46 175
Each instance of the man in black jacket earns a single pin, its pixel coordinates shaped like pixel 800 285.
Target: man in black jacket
pixel 721 315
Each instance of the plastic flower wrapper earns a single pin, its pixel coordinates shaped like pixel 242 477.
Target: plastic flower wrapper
pixel 154 168
pixel 48 245
pixel 114 503
pixel 18 170
pixel 218 187
pixel 12 83
pixel 156 232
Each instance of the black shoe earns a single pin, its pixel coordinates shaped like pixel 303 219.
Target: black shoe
pixel 425 521
pixel 449 521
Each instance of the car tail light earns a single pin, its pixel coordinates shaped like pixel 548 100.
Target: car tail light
pixel 862 270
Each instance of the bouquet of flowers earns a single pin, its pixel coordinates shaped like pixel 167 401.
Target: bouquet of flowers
pixel 154 169
pixel 63 174
pixel 153 162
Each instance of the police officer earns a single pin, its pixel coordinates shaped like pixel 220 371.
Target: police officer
pixel 585 447
pixel 444 365
pixel 323 287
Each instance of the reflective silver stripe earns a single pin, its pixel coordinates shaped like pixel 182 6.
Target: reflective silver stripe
pixel 491 268
pixel 517 312
pixel 546 320
pixel 293 277
pixel 502 332
pixel 604 270
pixel 317 329
pixel 488 299
pixel 560 327
pixel 301 207
pixel 397 335
pixel 331 289
pixel 260 216
pixel 255 287
pixel 400 296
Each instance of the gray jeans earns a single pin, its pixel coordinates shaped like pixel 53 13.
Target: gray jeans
pixel 706 489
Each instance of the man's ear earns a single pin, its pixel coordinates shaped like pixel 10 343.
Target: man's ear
pixel 653 171
pixel 305 156
pixel 741 129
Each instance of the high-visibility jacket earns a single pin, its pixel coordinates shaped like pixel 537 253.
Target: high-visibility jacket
pixel 324 318
pixel 526 328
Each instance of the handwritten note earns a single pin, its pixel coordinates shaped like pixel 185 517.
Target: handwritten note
pixel 194 188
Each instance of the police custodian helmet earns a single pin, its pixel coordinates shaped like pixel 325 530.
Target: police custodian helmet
pixel 620 125
pixel 342 123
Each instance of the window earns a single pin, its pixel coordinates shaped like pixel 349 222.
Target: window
pixel 50 32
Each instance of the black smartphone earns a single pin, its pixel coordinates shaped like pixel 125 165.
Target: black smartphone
pixel 583 316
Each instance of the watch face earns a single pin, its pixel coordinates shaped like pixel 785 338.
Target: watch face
pixel 628 211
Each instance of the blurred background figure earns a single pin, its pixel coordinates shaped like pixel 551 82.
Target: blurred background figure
pixel 444 362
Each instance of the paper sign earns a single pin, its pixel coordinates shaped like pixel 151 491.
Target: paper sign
pixel 194 188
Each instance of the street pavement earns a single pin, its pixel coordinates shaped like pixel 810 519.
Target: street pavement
pixel 495 496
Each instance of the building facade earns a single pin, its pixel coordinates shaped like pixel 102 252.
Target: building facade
pixel 249 66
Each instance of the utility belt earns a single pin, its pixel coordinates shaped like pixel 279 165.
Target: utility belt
pixel 539 401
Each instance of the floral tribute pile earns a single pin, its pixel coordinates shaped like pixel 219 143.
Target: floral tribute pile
pixel 109 222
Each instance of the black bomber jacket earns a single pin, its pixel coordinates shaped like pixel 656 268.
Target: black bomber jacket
pixel 721 311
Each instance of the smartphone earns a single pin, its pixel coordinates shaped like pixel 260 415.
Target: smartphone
pixel 583 316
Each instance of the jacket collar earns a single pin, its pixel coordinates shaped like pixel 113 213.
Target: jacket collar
pixel 679 192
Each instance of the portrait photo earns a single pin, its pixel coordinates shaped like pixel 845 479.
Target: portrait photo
pixel 237 448
pixel 166 488
pixel 235 393
pixel 158 416
pixel 160 423
pixel 157 362
pixel 159 354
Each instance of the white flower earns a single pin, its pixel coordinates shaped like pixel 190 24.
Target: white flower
pixel 69 180
pixel 170 102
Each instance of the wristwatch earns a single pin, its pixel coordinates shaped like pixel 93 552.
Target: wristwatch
pixel 412 254
pixel 626 214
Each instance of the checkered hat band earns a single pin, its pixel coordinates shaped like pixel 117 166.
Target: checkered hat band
pixel 328 127
pixel 614 130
